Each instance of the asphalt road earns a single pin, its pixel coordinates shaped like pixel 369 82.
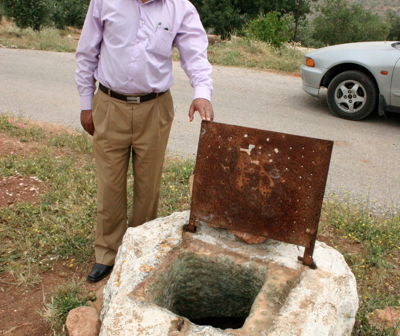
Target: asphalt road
pixel 366 156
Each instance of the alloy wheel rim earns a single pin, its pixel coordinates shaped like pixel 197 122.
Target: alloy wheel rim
pixel 350 96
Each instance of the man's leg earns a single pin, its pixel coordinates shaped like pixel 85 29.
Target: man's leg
pixel 149 142
pixel 112 147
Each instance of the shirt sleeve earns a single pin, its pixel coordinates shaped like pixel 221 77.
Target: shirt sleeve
pixel 87 54
pixel 191 41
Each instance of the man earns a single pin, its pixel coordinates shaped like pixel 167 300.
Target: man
pixel 126 46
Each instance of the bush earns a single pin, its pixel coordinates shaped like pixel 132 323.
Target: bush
pixel 27 13
pixel 271 28
pixel 340 22
pixel 225 17
pixel 69 13
pixel 393 21
pixel 1 10
pixel 221 16
pixel 305 35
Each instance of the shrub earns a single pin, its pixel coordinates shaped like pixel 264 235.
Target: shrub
pixel 1 10
pixel 239 12
pixel 340 22
pixel 221 16
pixel 305 34
pixel 27 13
pixel 394 26
pixel 69 13
pixel 271 28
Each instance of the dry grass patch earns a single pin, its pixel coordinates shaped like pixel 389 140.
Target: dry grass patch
pixel 253 54
pixel 47 39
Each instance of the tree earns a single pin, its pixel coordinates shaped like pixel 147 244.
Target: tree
pixel 305 34
pixel 27 13
pixel 339 22
pixel 253 9
pixel 222 16
pixel 69 13
pixel 225 16
pixel 1 10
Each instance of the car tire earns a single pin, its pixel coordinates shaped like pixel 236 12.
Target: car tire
pixel 352 95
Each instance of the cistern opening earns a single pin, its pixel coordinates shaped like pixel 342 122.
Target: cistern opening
pixel 208 290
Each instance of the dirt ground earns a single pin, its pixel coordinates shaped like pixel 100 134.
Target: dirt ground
pixel 21 307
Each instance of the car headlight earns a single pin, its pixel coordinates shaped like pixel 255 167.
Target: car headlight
pixel 310 62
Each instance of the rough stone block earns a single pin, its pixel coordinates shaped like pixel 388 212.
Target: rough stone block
pixel 166 282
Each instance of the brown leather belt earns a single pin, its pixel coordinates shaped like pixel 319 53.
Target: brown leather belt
pixel 130 99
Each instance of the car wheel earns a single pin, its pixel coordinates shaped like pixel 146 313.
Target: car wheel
pixel 352 95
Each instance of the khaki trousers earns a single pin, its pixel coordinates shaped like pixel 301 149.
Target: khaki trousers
pixel 122 129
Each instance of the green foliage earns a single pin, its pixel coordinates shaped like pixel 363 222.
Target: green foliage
pixel 35 14
pixel 271 28
pixel 69 13
pixel 393 21
pixel 222 16
pixel 306 36
pixel 226 16
pixel 27 13
pixel 252 9
pixel 340 22
pixel 1 9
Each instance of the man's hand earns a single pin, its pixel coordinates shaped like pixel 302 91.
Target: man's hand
pixel 204 107
pixel 87 121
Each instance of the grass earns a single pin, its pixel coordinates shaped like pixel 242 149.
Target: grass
pixel 61 226
pixel 253 54
pixel 69 296
pixel 47 39
pixel 237 52
pixel 368 236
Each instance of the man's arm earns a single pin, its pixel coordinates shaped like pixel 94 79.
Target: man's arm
pixel 87 58
pixel 192 43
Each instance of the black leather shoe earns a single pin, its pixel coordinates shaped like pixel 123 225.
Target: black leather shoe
pixel 99 272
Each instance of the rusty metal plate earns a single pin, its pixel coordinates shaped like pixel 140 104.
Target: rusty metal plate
pixel 260 182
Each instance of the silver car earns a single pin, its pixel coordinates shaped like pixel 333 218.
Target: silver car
pixel 360 77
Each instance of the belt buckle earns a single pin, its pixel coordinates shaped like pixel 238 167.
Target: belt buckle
pixel 133 100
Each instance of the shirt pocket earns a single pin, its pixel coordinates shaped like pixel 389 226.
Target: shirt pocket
pixel 162 43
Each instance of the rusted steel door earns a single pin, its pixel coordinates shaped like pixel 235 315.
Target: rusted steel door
pixel 260 182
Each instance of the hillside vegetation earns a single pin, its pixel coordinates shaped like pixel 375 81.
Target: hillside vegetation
pixel 380 7
pixel 313 23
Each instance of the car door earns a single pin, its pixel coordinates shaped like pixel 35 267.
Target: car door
pixel 395 87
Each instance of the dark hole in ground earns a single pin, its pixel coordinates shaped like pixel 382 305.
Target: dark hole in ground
pixel 208 290
pixel 221 322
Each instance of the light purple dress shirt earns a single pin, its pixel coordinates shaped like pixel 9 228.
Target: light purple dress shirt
pixel 127 45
